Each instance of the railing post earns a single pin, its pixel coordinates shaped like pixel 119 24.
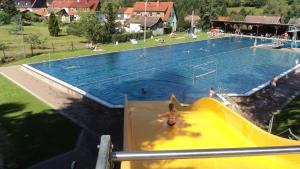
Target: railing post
pixel 104 160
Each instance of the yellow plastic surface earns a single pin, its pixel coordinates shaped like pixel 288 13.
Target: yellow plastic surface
pixel 209 124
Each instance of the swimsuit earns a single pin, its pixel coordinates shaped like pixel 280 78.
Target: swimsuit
pixel 171 121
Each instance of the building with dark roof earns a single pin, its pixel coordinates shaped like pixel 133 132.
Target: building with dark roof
pixel 165 10
pixel 30 4
pixel 74 7
pixel 259 25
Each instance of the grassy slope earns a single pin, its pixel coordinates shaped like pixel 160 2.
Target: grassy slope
pixel 33 131
pixel 289 117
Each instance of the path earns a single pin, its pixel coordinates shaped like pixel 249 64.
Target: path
pixel 94 118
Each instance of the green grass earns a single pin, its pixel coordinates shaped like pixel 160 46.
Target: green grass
pixel 289 117
pixel 181 37
pixel 256 11
pixel 16 45
pixel 33 131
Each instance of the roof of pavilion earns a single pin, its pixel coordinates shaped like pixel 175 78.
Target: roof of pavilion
pixel 256 21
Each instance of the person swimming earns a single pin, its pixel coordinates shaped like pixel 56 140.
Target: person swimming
pixel 143 91
pixel 171 115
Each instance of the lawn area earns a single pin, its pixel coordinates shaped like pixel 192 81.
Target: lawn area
pixel 289 117
pixel 62 44
pixel 33 132
pixel 16 45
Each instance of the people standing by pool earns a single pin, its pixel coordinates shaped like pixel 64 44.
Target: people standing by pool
pixel 286 35
pixel 171 115
pixel 212 92
pixel 273 82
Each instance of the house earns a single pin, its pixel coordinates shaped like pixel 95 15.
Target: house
pixel 124 14
pixel 30 5
pixel 154 23
pixel 45 13
pixel 165 10
pixel 75 7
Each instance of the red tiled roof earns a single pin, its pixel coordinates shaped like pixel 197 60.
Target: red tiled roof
pixel 41 12
pixel 224 18
pixel 91 4
pixel 125 11
pixel 165 7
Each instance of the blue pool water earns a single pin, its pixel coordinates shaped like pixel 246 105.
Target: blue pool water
pixel 188 70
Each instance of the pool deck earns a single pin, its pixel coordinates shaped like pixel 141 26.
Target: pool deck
pixel 259 106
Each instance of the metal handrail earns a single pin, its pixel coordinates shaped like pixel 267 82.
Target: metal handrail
pixel 204 153
pixel 104 156
pixel 290 132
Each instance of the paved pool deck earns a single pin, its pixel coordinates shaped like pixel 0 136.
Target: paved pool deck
pixel 259 106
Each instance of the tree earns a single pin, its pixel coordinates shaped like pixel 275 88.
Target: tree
pixel 223 10
pixel 94 30
pixel 110 16
pixel 3 47
pixel 115 4
pixel 250 3
pixel 295 10
pixel 8 6
pixel 34 41
pixel 4 18
pixel 53 25
pixel 278 8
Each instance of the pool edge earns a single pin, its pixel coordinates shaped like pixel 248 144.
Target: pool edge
pixel 67 87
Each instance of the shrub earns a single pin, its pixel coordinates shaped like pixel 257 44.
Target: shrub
pixel 53 25
pixel 127 36
pixel 4 18
pixel 75 29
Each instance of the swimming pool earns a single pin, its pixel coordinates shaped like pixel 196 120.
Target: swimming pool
pixel 188 70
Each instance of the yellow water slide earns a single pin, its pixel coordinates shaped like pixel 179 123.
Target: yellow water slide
pixel 207 124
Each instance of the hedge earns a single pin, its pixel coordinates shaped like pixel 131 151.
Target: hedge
pixel 127 36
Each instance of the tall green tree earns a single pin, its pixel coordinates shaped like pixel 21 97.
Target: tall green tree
pixel 295 10
pixel 115 5
pixel 94 30
pixel 223 10
pixel 277 8
pixel 8 6
pixel 111 16
pixel 53 25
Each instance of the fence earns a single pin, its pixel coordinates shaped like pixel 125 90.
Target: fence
pixel 19 50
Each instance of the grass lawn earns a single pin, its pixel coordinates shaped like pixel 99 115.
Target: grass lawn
pixel 181 37
pixel 33 132
pixel 16 45
pixel 289 117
